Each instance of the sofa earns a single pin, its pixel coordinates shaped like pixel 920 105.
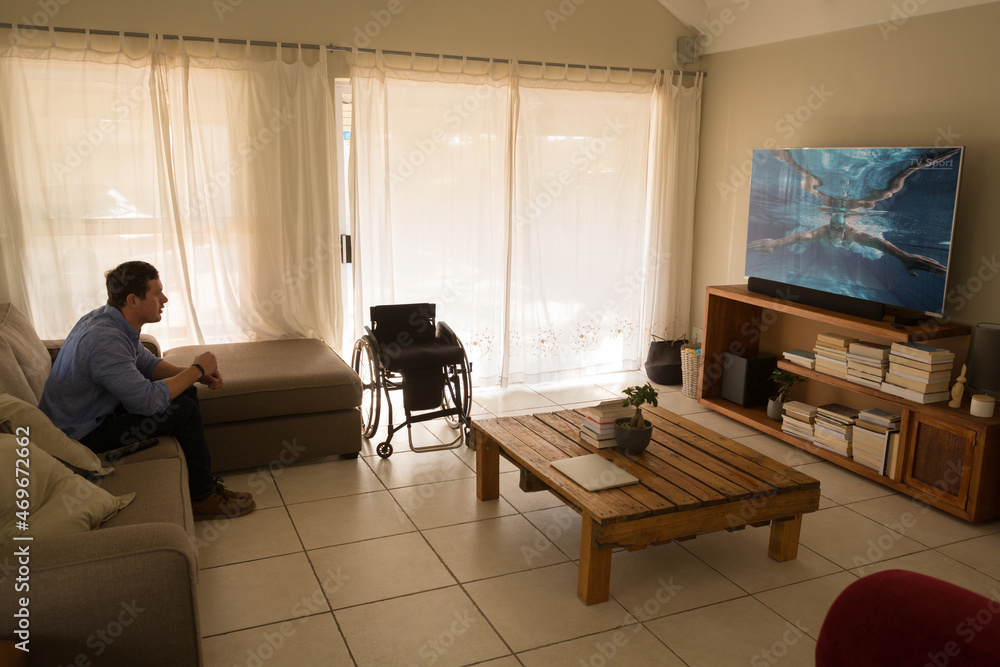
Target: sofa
pixel 115 583
pixel 898 617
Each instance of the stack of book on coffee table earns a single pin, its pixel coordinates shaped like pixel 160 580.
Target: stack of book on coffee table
pixel 919 373
pixel 834 428
pixel 797 419
pixel 867 363
pixel 598 426
pixel 876 436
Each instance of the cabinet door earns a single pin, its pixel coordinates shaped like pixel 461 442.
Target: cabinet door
pixel 939 459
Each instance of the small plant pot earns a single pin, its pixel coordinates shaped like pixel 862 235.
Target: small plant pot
pixel 632 440
pixel 774 408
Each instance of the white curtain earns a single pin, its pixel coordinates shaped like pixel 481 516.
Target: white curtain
pixel 214 163
pixel 674 169
pixel 519 203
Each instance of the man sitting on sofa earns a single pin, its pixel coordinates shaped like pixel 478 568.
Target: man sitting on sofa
pixel 107 390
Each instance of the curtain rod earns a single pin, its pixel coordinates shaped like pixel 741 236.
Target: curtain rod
pixel 348 49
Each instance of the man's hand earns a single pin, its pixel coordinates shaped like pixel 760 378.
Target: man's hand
pixel 208 362
pixel 213 381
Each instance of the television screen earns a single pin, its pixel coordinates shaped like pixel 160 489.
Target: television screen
pixel 870 223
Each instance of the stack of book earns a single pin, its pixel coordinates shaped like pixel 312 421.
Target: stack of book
pixel 834 427
pixel 875 444
pixel 919 373
pixel 797 419
pixel 831 353
pixel 598 427
pixel 867 363
pixel 800 357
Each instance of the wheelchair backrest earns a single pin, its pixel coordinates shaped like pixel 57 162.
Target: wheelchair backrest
pixel 397 323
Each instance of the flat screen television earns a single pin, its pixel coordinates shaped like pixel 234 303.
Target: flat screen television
pixel 860 225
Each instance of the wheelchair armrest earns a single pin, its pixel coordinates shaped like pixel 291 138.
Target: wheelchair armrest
pixel 446 334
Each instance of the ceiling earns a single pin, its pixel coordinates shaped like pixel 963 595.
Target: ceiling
pixel 725 25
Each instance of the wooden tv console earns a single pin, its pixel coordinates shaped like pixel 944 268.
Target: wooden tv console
pixel 948 459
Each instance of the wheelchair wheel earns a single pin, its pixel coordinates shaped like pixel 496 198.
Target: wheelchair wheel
pixel 384 450
pixel 367 367
pixel 459 381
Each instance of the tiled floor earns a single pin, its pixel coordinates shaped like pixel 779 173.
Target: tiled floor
pixel 395 562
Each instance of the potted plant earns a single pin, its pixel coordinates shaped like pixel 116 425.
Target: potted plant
pixel 632 434
pixel 784 381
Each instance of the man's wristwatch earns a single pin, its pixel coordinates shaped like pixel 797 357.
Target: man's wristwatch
pixel 200 368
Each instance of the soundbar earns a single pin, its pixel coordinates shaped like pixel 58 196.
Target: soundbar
pixel 839 303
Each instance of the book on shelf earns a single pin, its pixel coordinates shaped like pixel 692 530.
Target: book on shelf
pixel 896 360
pixel 875 365
pixel 915 396
pixel 942 375
pixel 835 340
pixel 920 352
pixel 800 357
pixel 596 440
pixel 798 429
pixel 868 350
pixel 874 383
pixel 832 443
pixel 800 410
pixel 831 367
pixel 870 373
pixel 828 353
pixel 892 457
pixel 837 412
pixel 916 385
pixel 878 416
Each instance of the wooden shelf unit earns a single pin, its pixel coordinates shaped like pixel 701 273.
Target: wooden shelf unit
pixel 948 459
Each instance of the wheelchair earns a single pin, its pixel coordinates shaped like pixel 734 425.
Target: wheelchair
pixel 406 349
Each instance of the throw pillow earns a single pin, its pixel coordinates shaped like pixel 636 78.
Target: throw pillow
pixel 15 413
pixel 58 502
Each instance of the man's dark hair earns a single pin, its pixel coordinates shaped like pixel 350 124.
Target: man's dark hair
pixel 129 278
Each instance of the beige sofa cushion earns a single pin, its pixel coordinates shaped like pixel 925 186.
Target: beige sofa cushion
pixel 18 418
pixel 25 362
pixel 272 378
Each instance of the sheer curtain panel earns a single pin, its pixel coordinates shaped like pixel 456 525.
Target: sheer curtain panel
pixel 214 163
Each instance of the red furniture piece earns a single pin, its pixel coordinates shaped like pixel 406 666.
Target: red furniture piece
pixel 900 618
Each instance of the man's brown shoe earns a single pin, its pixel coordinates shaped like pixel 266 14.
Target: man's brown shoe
pixel 219 505
pixel 238 495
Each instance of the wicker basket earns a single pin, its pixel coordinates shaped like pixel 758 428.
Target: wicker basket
pixel 690 368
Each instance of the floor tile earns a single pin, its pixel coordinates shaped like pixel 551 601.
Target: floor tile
pixel 940 566
pixel 807 603
pixel 574 392
pixel 260 534
pixel 313 640
pixel 441 627
pixel 406 468
pixel 260 592
pixel 561 526
pixel 679 404
pixel 920 521
pixel 379 569
pixel 744 632
pixel 518 397
pixel 523 501
pixel 851 540
pixel 258 483
pixel 842 485
pixel 722 424
pixel 327 479
pixel 539 607
pixel 324 523
pixel 666 579
pixel 492 547
pixel 630 646
pixel 447 503
pixel 779 450
pixel 979 553
pixel 742 557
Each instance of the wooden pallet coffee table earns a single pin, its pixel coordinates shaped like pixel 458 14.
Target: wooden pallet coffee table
pixel 691 481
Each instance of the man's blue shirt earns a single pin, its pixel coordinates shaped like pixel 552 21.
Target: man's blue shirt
pixel 102 364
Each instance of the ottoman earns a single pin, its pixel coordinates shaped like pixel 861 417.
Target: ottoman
pixel 282 402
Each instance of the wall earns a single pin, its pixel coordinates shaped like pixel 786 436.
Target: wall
pixel 921 81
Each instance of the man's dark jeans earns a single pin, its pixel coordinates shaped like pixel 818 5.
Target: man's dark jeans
pixel 181 419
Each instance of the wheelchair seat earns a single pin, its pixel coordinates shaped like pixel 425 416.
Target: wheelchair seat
pixel 405 348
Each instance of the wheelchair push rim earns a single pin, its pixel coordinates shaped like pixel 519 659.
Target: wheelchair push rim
pixel 366 366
